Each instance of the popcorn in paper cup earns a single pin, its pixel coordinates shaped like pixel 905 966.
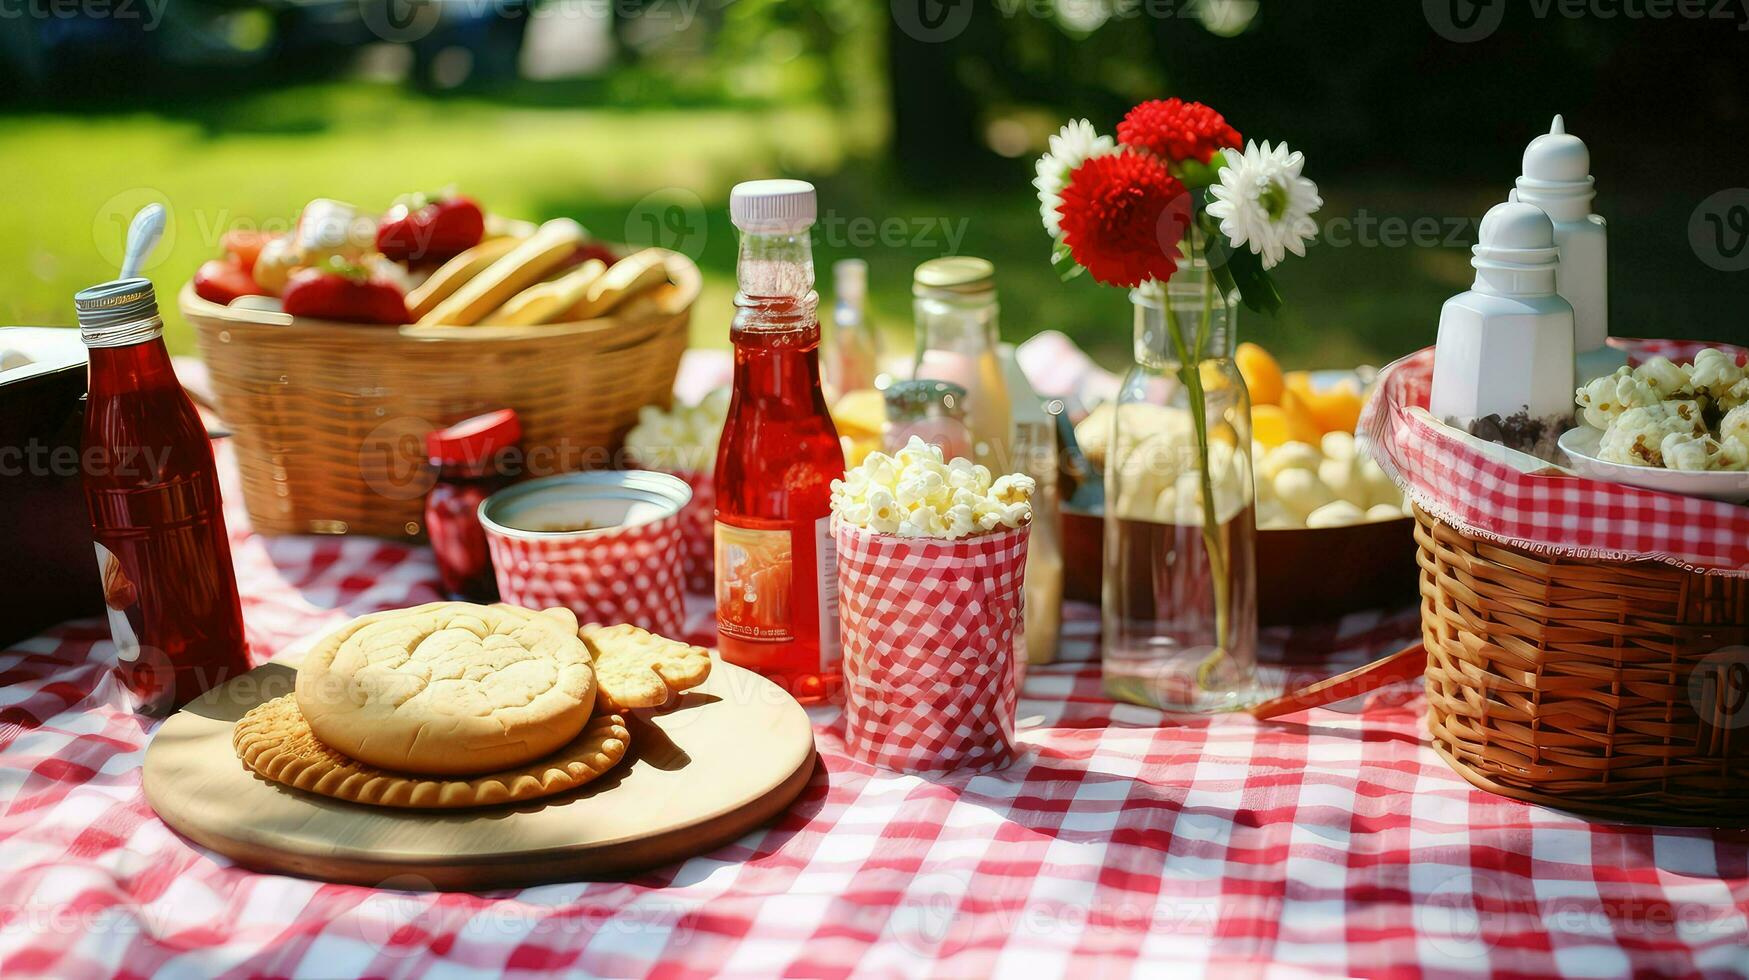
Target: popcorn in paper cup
pixel 931 568
pixel 683 442
pixel 915 493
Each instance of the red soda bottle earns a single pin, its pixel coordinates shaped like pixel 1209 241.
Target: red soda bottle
pixel 153 491
pixel 777 578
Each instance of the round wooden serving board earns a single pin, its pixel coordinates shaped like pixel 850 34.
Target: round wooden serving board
pixel 730 756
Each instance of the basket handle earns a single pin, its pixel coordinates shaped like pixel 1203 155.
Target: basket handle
pixel 1406 664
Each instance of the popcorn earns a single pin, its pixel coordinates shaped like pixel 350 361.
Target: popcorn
pixel 914 493
pixel 1733 454
pixel 1682 451
pixel 1735 396
pixel 1636 436
pixel 1714 372
pixel 1735 425
pixel 683 440
pixel 1670 380
pixel 1607 397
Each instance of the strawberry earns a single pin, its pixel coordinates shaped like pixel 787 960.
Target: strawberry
pixel 420 228
pixel 338 290
pixel 223 280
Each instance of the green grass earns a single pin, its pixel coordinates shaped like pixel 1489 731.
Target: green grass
pixel 253 160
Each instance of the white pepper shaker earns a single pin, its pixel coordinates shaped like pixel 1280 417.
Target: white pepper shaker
pixel 1557 178
pixel 1503 367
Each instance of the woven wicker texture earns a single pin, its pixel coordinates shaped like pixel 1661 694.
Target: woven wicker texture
pixel 1592 686
pixel 330 419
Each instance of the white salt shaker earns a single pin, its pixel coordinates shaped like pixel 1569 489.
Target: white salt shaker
pixel 1557 178
pixel 1503 368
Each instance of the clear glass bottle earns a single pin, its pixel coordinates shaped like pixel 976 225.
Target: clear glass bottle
pixel 776 564
pixel 1180 604
pixel 153 492
pixel 954 302
pixel 854 355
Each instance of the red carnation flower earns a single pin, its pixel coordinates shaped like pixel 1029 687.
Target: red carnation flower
pixel 1175 130
pixel 1123 216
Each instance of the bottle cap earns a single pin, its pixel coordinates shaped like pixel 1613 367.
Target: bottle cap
pixel 473 441
pixel 955 275
pixel 1515 253
pixel 773 207
pixel 1557 173
pixel 118 313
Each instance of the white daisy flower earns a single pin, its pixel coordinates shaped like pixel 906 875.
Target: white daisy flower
pixel 1074 144
pixel 1262 201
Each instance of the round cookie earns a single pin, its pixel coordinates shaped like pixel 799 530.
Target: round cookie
pixel 448 688
pixel 275 742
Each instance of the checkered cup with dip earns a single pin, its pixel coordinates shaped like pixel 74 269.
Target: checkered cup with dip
pixel 931 564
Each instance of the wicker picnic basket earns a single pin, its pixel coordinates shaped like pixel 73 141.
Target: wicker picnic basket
pixel 1572 682
pixel 329 419
pixel 1562 667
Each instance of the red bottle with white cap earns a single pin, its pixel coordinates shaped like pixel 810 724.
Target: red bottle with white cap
pixel 776 567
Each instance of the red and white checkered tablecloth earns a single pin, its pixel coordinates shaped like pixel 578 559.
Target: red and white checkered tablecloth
pixel 1121 842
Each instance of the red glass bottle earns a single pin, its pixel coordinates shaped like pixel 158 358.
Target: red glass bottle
pixel 776 567
pixel 468 456
pixel 153 492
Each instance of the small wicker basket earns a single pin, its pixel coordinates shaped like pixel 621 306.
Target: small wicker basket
pixel 329 419
pixel 1572 683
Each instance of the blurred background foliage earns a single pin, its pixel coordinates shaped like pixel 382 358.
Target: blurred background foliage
pixel 918 119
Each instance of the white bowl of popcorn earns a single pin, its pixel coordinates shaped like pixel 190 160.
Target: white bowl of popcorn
pixel 1675 428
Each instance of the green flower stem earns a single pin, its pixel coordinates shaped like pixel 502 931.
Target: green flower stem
pixel 1190 373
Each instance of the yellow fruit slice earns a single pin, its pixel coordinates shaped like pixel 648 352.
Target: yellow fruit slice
pixel 1261 373
pixel 861 412
pixel 1335 409
pixel 1269 425
pixel 1301 425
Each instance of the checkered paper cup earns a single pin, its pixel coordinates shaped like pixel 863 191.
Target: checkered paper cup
pixel 698 532
pixel 931 631
pixel 618 565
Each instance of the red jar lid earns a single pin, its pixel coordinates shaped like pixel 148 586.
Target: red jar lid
pixel 471 442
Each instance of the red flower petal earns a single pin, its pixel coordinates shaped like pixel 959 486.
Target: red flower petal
pixel 1123 217
pixel 1175 130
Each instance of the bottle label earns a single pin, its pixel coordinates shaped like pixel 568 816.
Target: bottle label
pixel 757 584
pixel 827 548
pixel 755 573
pixel 120 596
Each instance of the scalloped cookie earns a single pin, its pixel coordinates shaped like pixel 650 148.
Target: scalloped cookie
pixel 275 742
pixel 448 688
pixel 635 668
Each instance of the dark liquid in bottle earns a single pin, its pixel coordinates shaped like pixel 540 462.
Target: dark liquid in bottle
pixel 153 492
